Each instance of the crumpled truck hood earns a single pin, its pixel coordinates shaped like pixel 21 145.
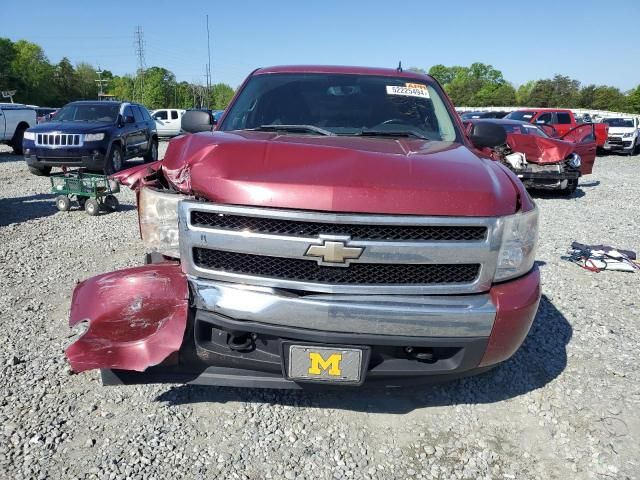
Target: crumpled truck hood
pixel 540 150
pixel 337 174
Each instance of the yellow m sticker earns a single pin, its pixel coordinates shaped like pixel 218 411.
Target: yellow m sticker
pixel 319 364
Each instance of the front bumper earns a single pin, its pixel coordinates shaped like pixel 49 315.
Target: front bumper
pixel 550 180
pixel 618 145
pixel 92 159
pixel 457 335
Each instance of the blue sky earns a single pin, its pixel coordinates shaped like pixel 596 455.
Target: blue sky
pixel 592 41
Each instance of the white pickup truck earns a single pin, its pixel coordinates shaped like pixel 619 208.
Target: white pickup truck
pixel 624 134
pixel 14 120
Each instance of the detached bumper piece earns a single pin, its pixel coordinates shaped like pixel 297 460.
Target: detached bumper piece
pixel 136 318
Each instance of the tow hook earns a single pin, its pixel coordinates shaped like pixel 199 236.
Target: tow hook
pixel 420 353
pixel 241 342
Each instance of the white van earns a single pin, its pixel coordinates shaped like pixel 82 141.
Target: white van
pixel 168 121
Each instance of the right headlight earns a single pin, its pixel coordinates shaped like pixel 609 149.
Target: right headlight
pixel 574 160
pixel 158 216
pixel 519 241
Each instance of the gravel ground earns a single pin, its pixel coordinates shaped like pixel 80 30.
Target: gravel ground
pixel 561 408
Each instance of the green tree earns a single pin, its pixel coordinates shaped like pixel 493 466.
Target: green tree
pixel 158 87
pixel 608 98
pixel 633 100
pixel 7 55
pixel 541 95
pixel 442 74
pixel 121 87
pixel 65 82
pixel 523 94
pixel 221 95
pixel 566 92
pixel 32 73
pixel 587 95
pixel 86 81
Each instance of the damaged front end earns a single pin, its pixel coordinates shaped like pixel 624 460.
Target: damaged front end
pixel 136 318
pixel 541 163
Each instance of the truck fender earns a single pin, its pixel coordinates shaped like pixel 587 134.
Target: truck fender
pixel 136 318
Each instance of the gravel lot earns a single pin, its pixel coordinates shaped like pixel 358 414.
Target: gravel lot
pixel 561 408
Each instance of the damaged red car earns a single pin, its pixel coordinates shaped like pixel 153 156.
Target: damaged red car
pixel 337 227
pixel 540 158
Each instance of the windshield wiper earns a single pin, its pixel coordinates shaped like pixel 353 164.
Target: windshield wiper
pixel 390 133
pixel 293 128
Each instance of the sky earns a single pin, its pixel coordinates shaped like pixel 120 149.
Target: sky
pixel 590 40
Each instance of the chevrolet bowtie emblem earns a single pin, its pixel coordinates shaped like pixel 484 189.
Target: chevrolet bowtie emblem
pixel 334 252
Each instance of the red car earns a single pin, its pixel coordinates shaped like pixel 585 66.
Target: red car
pixel 562 120
pixel 337 228
pixel 541 161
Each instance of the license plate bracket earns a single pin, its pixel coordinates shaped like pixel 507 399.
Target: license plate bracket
pixel 327 364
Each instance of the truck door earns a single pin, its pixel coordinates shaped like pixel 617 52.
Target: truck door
pixel 161 117
pixel 141 132
pixel 562 122
pixel 584 137
pixel 174 119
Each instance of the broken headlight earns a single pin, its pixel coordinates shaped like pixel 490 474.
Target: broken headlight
pixel 574 160
pixel 519 241
pixel 158 216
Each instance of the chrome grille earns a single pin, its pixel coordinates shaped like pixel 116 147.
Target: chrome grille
pixel 356 274
pixel 58 140
pixel 399 254
pixel 356 232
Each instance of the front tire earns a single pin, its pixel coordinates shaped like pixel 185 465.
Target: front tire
pixel 63 203
pixel 40 171
pixel 92 207
pixel 111 203
pixel 16 142
pixel 114 162
pixel 152 154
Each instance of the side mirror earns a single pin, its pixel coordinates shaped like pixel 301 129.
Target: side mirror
pixel 195 121
pixel 486 134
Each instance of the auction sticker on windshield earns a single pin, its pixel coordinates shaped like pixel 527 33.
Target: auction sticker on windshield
pixel 410 90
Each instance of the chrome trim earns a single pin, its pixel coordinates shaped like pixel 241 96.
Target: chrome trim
pixel 484 252
pixel 55 140
pixel 404 315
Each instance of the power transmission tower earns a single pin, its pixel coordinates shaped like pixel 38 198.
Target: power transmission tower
pixel 138 86
pixel 100 82
pixel 208 65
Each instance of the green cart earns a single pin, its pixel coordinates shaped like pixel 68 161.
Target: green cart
pixel 92 191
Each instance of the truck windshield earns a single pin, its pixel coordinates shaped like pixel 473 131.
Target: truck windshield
pixel 341 104
pixel 523 116
pixel 88 113
pixel 619 122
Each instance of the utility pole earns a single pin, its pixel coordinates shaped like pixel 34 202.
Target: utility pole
pixel 208 65
pixel 138 86
pixel 100 82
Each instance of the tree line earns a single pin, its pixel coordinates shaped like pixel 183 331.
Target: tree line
pixel 24 67
pixel 481 85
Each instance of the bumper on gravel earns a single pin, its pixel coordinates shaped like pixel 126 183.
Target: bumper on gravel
pixel 240 336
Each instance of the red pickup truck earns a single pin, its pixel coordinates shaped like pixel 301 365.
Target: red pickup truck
pixel 338 227
pixel 561 120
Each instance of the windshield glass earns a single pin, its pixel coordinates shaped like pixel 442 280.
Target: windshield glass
pixel 524 129
pixel 619 122
pixel 88 113
pixel 524 116
pixel 342 104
